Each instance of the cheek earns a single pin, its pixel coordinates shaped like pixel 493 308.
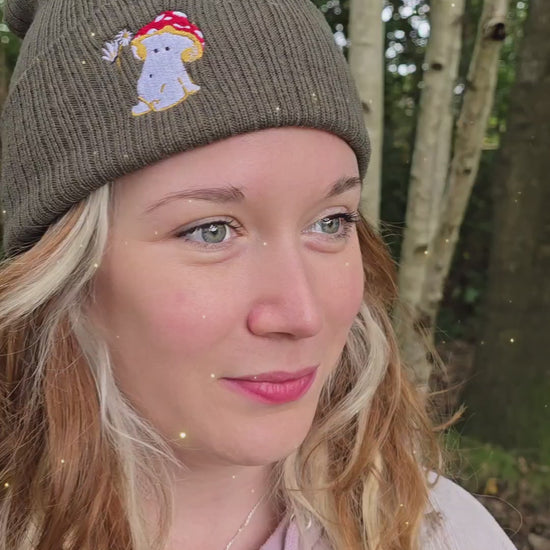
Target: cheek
pixel 344 289
pixel 189 318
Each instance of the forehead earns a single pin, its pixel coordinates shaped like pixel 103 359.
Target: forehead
pixel 288 160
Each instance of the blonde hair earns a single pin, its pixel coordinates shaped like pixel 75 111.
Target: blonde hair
pixel 78 464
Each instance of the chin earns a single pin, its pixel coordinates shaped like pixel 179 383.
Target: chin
pixel 267 449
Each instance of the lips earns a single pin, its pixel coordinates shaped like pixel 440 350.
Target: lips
pixel 275 393
pixel 277 376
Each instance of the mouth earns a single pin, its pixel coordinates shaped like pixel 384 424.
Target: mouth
pixel 276 376
pixel 273 391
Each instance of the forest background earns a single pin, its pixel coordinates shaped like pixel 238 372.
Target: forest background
pixel 431 74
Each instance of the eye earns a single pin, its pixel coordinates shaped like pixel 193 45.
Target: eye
pixel 337 226
pixel 331 224
pixel 209 234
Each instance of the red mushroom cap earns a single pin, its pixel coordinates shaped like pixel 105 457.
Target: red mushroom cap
pixel 175 19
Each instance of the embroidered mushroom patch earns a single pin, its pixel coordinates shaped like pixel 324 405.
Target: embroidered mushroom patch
pixel 165 45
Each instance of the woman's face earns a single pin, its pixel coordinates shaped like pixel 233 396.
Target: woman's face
pixel 229 260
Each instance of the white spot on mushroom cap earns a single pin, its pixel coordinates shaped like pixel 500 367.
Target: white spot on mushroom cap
pixel 199 33
pixel 159 18
pixel 179 26
pixel 180 13
pixel 151 31
pixel 168 18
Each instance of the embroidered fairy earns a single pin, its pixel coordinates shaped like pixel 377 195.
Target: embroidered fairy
pixel 164 45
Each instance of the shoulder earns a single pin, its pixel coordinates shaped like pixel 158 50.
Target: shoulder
pixel 457 521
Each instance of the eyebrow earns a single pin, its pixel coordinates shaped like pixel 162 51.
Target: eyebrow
pixel 223 195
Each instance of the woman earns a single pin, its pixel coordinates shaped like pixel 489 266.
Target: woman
pixel 196 344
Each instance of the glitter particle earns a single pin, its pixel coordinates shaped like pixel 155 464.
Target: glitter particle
pixel 62 461
pixel 265 244
pixel 92 34
pixel 6 484
pixel 96 265
pixel 212 375
pixel 83 62
pixel 183 435
pixel 204 316
pixel 233 476
pixel 512 340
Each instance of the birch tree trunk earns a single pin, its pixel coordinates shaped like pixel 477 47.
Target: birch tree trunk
pixel 429 167
pixel 366 58
pixel 471 126
pixel 446 127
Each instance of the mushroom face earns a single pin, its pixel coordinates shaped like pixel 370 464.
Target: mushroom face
pixel 188 46
pixel 164 46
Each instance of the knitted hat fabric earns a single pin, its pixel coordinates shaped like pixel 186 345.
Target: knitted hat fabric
pixel 103 88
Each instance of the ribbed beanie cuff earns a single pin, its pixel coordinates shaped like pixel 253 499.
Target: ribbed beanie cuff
pixel 89 103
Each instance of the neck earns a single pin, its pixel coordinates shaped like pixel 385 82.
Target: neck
pixel 213 501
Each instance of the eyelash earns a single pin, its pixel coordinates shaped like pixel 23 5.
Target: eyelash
pixel 348 218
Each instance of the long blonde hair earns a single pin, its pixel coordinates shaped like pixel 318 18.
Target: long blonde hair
pixel 77 463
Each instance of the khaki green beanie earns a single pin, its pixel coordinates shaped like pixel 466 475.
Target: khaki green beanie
pixel 104 87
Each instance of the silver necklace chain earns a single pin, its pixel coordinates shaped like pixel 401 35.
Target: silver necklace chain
pixel 246 522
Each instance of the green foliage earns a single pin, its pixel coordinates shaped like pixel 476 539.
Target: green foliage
pixel 8 42
pixel 489 469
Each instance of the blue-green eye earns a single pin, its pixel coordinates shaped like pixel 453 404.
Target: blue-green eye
pixel 214 233
pixel 211 233
pixel 330 225
pixel 339 225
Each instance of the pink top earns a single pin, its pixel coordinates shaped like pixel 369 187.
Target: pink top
pixel 466 525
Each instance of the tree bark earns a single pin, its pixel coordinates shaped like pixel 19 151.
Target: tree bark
pixel 471 127
pixel 366 58
pixel 510 390
pixel 430 164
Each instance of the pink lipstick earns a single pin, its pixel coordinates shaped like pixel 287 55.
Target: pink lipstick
pixel 274 387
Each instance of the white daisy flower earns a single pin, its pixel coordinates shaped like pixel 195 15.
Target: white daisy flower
pixel 110 51
pixel 124 37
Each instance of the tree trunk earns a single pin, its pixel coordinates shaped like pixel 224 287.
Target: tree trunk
pixel 471 127
pixel 430 164
pixel 510 391
pixel 366 58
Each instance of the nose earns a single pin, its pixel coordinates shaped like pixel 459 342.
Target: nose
pixel 286 299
